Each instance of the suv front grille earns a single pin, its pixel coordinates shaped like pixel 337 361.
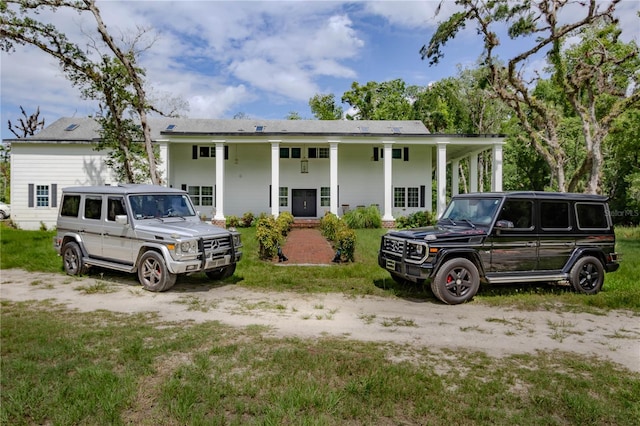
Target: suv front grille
pixel 393 245
pixel 217 246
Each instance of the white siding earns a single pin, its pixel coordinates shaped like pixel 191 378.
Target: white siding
pixel 46 164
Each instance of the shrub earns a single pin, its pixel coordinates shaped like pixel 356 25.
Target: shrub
pixel 269 237
pixel 346 243
pixel 284 222
pixel 329 225
pixel 233 221
pixel 363 218
pixel 416 220
pixel 247 220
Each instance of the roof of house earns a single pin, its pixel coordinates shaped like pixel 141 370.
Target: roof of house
pixel 87 129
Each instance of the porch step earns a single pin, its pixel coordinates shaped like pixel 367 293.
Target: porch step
pixel 306 223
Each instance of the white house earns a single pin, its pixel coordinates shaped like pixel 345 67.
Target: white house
pixel 230 167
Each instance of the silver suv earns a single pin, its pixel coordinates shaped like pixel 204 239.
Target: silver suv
pixel 152 230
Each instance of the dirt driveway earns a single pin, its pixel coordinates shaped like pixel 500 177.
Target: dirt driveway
pixel 495 331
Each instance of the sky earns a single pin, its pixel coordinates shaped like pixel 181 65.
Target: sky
pixel 262 59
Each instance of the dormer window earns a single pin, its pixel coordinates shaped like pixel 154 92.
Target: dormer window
pixel 71 127
pixel 260 129
pixel 170 127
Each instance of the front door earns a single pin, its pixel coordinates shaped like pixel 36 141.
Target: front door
pixel 303 202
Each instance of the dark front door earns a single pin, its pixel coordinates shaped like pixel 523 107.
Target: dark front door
pixel 304 202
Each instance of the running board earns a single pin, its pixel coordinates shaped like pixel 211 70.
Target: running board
pixel 505 279
pixel 110 265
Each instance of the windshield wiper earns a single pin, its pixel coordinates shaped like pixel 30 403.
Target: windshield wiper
pixel 449 219
pixel 470 223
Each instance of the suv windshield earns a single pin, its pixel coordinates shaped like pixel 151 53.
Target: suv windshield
pixel 149 206
pixel 479 211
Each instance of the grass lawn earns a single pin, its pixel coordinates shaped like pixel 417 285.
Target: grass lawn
pixel 65 368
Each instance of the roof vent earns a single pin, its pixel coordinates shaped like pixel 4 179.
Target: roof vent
pixel 71 127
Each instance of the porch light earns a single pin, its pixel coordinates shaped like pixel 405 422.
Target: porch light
pixel 304 166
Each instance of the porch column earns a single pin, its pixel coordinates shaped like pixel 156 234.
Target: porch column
pixel 473 172
pixel 388 182
pixel 496 175
pixel 164 168
pixel 455 177
pixel 219 216
pixel 428 196
pixel 442 177
pixel 333 177
pixel 275 179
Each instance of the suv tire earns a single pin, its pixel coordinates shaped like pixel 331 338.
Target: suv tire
pixel 153 273
pixel 587 275
pixel 220 274
pixel 457 281
pixel 72 259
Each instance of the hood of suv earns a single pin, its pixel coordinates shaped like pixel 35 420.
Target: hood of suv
pixel 179 228
pixel 442 233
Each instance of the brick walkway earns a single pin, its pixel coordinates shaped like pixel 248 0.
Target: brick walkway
pixel 307 246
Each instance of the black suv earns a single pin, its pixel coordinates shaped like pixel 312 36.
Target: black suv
pixel 506 237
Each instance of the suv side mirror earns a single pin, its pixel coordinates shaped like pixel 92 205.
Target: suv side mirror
pixel 504 224
pixel 122 219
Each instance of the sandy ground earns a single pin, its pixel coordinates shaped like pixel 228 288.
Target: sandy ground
pixel 495 331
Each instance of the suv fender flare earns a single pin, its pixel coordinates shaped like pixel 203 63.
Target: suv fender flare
pixel 446 254
pixel 160 248
pixel 581 252
pixel 75 238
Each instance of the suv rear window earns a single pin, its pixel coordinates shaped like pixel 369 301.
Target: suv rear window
pixel 70 205
pixel 554 215
pixel 592 216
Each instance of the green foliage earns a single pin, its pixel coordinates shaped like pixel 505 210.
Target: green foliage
pixel 284 222
pixel 416 220
pixel 247 220
pixel 269 237
pixel 324 107
pixel 379 101
pixel 338 232
pixel 363 218
pixel 233 221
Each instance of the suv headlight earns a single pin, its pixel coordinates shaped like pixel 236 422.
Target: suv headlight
pixel 185 248
pixel 236 240
pixel 417 251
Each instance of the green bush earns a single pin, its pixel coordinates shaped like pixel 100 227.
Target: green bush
pixel 338 232
pixel 346 243
pixel 269 237
pixel 284 222
pixel 233 221
pixel 247 220
pixel 329 225
pixel 416 220
pixel 363 218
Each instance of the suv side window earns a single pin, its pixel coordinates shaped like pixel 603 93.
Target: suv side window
pixel 518 212
pixel 592 216
pixel 70 206
pixel 115 207
pixel 554 215
pixel 92 207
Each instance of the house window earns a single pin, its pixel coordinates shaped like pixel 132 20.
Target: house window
pixel 398 197
pixel 201 195
pixel 413 197
pixel 284 152
pixel 325 196
pixel 396 153
pixel 295 152
pixel 42 195
pixel 319 152
pixel 206 152
pixel 284 196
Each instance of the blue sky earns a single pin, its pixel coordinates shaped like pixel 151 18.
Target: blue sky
pixel 261 58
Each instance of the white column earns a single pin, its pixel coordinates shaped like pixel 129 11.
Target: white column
pixel 219 182
pixel 496 168
pixel 442 178
pixel 333 177
pixel 275 179
pixel 428 191
pixel 388 181
pixel 163 166
pixel 455 177
pixel 473 172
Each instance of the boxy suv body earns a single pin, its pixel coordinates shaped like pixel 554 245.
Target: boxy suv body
pixel 506 238
pixel 152 230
